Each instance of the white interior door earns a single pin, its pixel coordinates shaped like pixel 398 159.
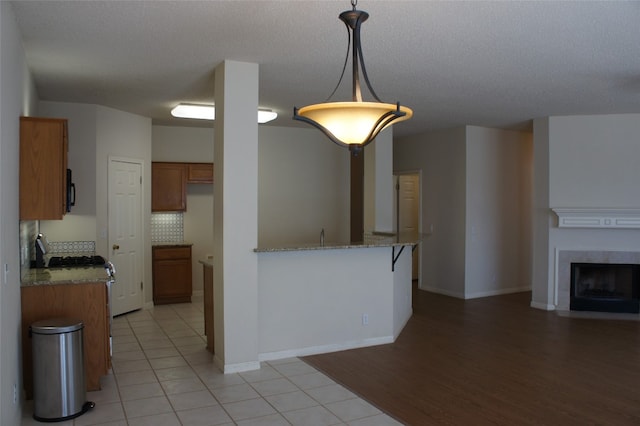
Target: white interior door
pixel 125 234
pixel 409 210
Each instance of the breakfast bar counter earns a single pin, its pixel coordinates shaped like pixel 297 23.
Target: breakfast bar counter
pixel 317 298
pixel 369 241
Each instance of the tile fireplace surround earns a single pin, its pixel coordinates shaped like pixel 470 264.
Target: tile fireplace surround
pixel 566 257
pixel 596 218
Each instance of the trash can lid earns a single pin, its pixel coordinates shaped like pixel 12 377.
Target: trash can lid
pixel 56 326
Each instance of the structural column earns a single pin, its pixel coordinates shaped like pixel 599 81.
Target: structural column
pixel 235 217
pixel 379 193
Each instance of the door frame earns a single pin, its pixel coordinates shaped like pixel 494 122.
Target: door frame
pixel 143 233
pixel 396 216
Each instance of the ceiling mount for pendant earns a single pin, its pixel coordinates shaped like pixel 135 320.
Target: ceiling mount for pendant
pixel 354 123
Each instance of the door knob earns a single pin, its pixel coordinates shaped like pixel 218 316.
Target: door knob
pixel 116 247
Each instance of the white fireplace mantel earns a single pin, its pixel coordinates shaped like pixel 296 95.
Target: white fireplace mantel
pixel 620 218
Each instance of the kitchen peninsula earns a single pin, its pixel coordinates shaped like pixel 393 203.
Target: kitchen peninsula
pixel 324 297
pixel 369 240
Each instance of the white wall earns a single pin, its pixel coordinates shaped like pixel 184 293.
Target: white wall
pixel 498 220
pixel 592 163
pixel 182 144
pixel 476 201
pixel 441 157
pixel 303 187
pixel 17 97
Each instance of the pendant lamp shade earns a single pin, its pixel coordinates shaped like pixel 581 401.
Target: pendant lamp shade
pixel 353 123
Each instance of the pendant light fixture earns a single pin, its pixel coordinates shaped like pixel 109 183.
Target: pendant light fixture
pixel 354 123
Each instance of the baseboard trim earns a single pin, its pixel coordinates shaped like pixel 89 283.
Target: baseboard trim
pixel 236 368
pixel 443 292
pixel 498 292
pixel 543 306
pixel 322 349
pixel 477 295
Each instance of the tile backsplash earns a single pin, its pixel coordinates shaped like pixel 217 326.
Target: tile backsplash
pixel 72 247
pixel 167 227
pixel 28 232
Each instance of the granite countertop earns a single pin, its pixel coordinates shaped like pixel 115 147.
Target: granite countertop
pixel 51 276
pixel 171 244
pixel 370 240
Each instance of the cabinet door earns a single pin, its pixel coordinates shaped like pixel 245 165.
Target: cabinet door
pixel 168 187
pixel 43 168
pixel 171 275
pixel 199 172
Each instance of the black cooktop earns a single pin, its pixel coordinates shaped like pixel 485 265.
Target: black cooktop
pixel 75 261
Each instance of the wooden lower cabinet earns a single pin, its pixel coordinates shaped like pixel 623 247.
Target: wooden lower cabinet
pixel 87 302
pixel 208 305
pixel 171 274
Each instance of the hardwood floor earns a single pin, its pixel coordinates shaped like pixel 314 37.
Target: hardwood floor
pixel 497 361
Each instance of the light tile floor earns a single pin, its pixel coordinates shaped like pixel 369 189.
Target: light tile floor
pixel 162 375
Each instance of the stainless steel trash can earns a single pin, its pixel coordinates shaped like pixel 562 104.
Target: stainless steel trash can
pixel 59 391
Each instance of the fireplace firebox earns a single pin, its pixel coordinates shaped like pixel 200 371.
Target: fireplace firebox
pixel 605 287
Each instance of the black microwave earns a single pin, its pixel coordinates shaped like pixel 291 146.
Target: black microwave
pixel 71 191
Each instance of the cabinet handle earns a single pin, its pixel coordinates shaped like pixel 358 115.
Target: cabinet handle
pixel 116 247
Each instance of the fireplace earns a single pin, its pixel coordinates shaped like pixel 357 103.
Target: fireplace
pixel 593 236
pixel 605 287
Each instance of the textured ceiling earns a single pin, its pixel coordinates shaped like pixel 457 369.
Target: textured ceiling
pixel 495 64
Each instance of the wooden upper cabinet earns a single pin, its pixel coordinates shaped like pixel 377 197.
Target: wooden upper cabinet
pixel 168 189
pixel 199 172
pixel 43 168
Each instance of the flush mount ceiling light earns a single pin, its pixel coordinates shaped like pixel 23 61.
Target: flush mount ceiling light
pixel 353 123
pixel 208 112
